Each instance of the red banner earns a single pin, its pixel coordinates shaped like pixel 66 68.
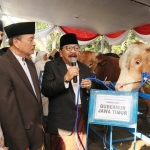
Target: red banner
pixel 82 35
pixel 145 30
pixel 116 34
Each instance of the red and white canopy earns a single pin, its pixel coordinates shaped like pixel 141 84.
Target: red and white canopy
pixel 86 37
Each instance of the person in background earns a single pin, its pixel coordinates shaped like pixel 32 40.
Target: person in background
pixel 50 58
pixel 57 54
pixel 33 57
pixel 41 59
pixel 58 85
pixel 21 113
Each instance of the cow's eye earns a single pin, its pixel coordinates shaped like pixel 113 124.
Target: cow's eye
pixel 137 62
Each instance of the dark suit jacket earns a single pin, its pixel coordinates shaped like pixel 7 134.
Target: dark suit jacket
pixel 62 101
pixel 20 109
pixel 1 52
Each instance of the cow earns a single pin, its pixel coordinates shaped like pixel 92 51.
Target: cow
pixel 133 62
pixel 89 59
pixel 112 55
pixel 105 67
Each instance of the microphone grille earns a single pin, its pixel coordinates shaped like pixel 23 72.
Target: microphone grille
pixel 73 59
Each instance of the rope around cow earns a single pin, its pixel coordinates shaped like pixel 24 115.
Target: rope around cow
pixel 145 79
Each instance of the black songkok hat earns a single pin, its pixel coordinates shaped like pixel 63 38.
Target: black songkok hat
pixel 69 38
pixel 20 29
pixel 1 25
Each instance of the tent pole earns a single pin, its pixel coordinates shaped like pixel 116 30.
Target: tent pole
pixel 102 44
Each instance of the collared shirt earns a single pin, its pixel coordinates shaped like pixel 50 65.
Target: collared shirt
pixel 26 70
pixel 75 87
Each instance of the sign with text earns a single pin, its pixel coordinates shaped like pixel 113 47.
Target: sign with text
pixel 113 107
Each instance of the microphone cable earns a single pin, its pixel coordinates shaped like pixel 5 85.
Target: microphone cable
pixel 77 99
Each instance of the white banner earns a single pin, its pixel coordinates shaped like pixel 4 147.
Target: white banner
pixel 118 40
pixel 145 38
pixel 113 107
pixel 43 33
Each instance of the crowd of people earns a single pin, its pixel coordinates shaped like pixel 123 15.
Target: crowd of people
pixel 25 86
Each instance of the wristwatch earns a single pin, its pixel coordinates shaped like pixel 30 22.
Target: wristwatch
pixel 65 80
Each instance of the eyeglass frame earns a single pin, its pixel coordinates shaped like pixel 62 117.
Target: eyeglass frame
pixel 72 47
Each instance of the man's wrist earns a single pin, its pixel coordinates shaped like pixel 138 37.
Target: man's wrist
pixel 66 80
pixel 66 83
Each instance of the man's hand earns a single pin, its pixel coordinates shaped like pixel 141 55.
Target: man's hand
pixel 72 71
pixel 86 84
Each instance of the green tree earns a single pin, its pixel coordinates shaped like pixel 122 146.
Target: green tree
pixel 40 26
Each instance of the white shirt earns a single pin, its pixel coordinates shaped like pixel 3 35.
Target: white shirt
pixel 26 70
pixel 75 87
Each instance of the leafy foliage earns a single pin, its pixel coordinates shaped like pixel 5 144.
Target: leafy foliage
pixel 40 26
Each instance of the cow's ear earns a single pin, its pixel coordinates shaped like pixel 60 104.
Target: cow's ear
pixel 147 46
pixel 102 63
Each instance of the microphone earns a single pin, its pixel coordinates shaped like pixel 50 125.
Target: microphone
pixel 73 61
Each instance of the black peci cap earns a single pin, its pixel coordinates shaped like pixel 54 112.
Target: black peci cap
pixel 69 38
pixel 20 29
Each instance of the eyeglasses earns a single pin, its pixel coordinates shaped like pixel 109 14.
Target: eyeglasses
pixel 70 48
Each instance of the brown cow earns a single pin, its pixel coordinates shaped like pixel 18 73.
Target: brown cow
pixel 104 66
pixel 89 59
pixel 132 63
pixel 107 67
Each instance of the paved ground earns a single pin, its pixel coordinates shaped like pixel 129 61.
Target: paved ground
pixel 96 143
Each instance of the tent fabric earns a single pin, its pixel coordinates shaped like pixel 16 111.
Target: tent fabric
pixel 116 34
pixel 86 37
pixel 116 38
pixel 144 30
pixel 145 38
pixel 43 33
pixel 80 42
pixel 82 35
